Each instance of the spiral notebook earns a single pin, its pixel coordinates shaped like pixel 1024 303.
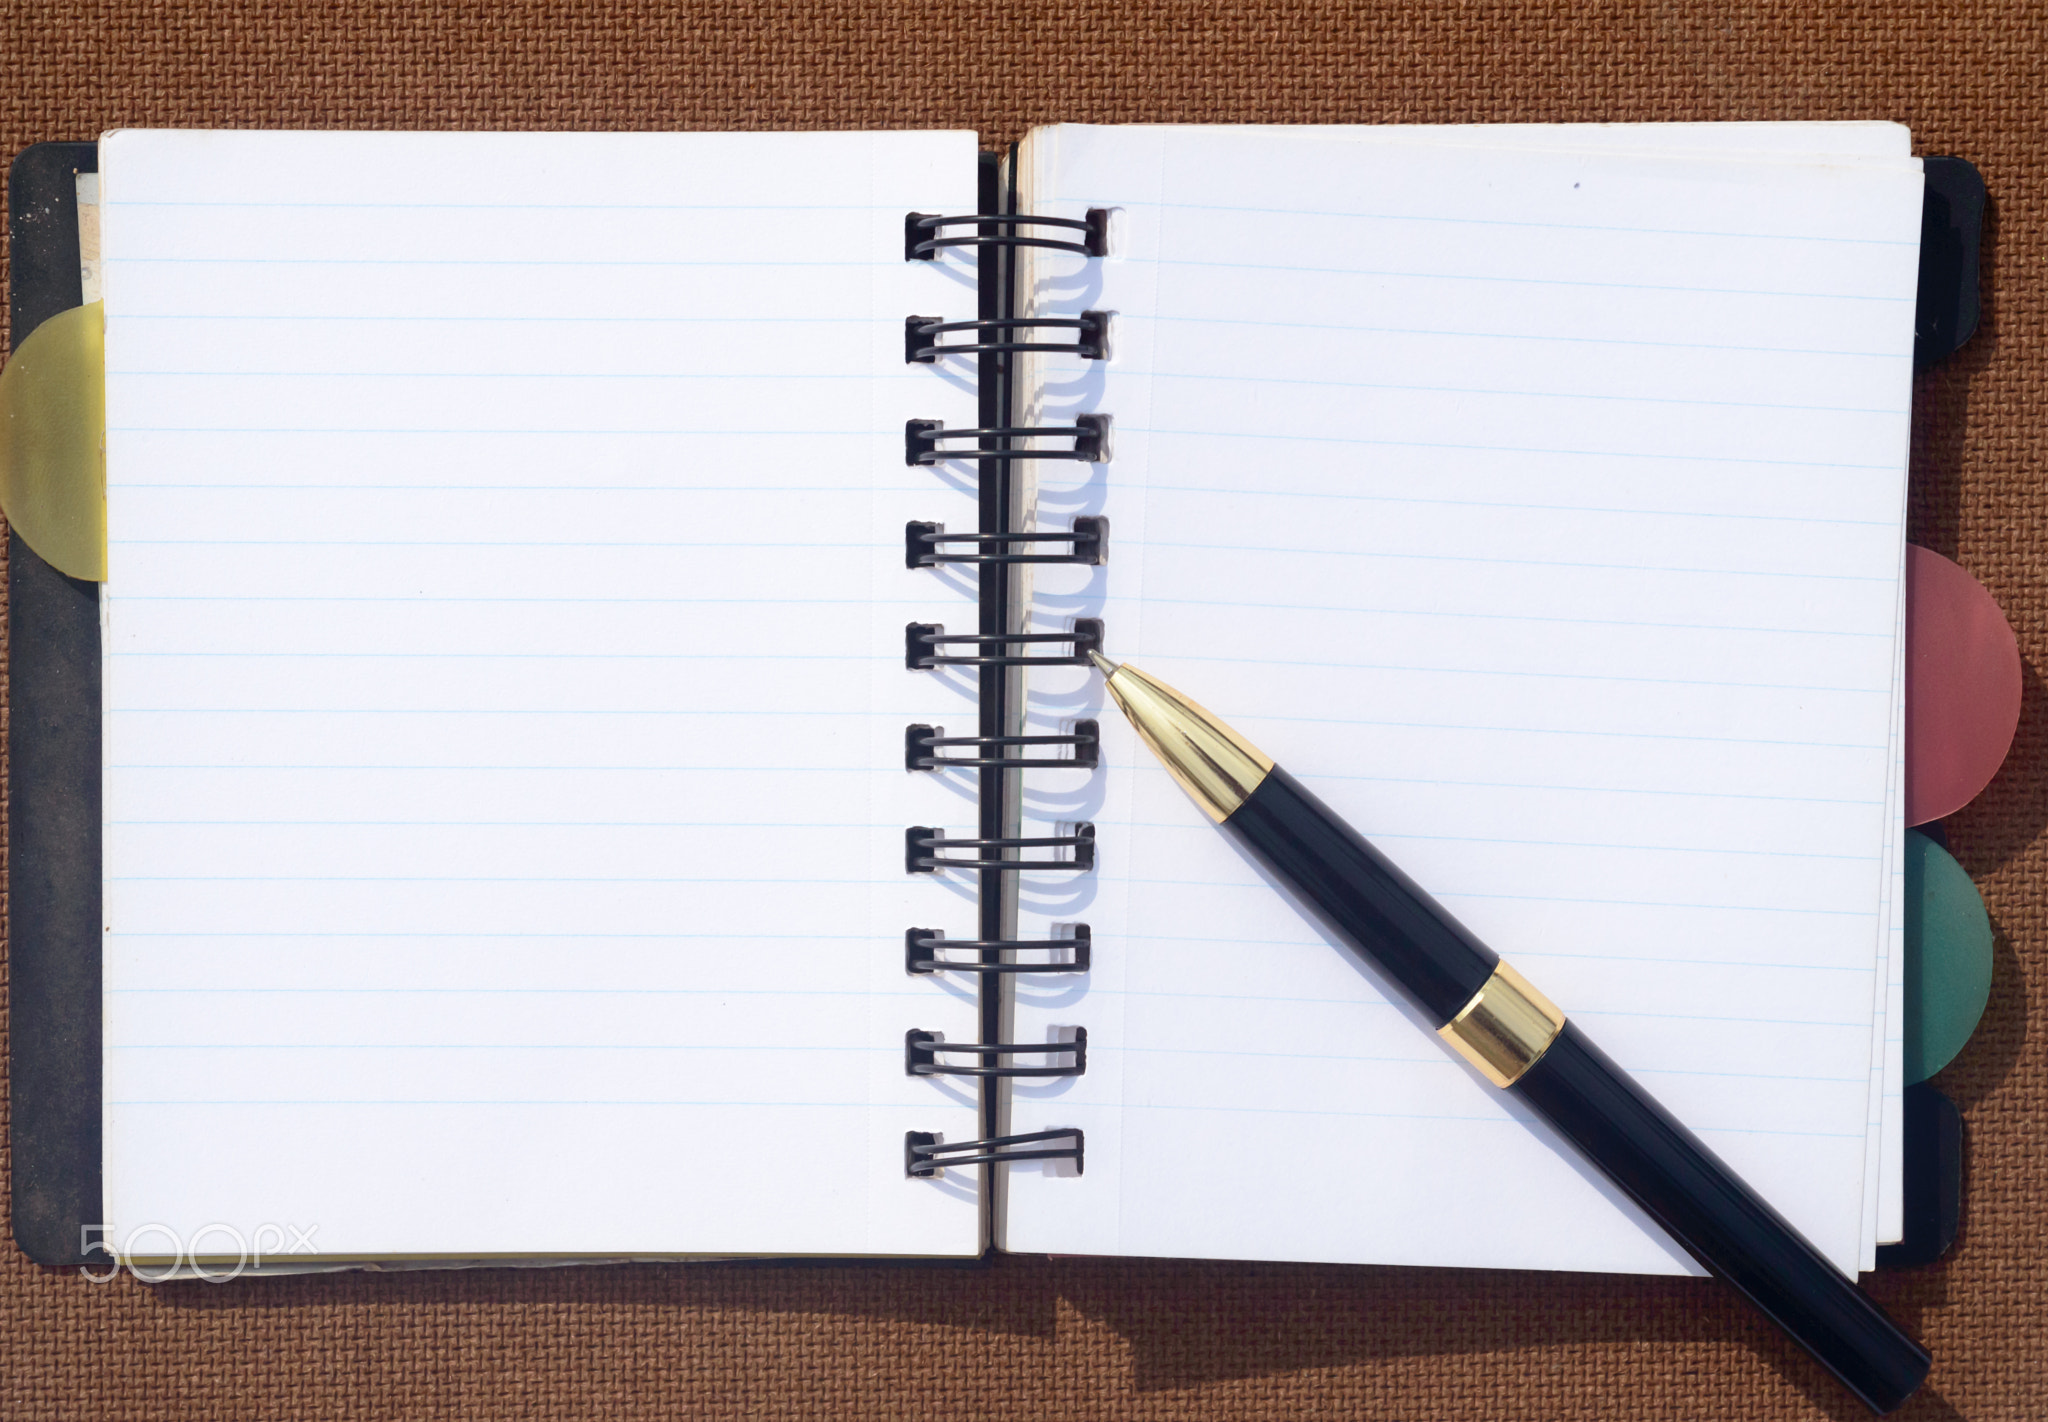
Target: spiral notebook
pixel 597 754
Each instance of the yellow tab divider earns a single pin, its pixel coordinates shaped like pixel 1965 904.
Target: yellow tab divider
pixel 53 440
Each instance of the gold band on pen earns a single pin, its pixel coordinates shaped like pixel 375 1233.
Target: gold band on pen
pixel 1506 1028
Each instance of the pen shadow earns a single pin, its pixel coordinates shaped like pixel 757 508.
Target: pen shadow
pixel 1236 1321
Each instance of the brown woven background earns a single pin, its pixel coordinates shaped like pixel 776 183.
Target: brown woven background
pixel 1027 1337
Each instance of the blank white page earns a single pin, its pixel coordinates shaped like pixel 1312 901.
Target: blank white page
pixel 504 693
pixel 1541 511
pixel 1832 142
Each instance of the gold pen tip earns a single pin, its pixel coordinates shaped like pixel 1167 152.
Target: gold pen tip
pixel 1103 664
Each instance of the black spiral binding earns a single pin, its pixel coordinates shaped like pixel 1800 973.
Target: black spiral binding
pixel 1090 328
pixel 921 844
pixel 926 1156
pixel 1089 540
pixel 922 946
pixel 1089 433
pixel 921 244
pixel 921 638
pixel 922 1050
pixel 921 741
pixel 997 753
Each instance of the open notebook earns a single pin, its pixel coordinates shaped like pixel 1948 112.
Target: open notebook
pixel 505 788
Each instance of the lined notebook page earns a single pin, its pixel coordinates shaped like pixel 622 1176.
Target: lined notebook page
pixel 504 691
pixel 1541 510
pixel 1832 142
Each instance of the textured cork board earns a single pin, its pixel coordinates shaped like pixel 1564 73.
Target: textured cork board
pixel 1055 1339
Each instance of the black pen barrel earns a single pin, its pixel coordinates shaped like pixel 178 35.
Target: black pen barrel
pixel 1424 952
pixel 1362 897
pixel 1720 1221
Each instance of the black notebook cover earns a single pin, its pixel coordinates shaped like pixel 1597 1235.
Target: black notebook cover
pixel 53 749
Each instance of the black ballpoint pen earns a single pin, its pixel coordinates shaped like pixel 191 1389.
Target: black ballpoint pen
pixel 1492 1017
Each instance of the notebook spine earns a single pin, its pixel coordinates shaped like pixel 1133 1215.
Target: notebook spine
pixel 995 654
